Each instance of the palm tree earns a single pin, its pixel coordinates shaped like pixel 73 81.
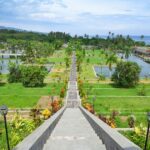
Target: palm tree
pixel 111 59
pixel 127 52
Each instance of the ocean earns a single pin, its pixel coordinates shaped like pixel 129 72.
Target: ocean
pixel 146 39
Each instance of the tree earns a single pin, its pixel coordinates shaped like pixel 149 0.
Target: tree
pixel 126 74
pixel 33 76
pixel 14 73
pixel 127 52
pixel 111 59
pixel 67 62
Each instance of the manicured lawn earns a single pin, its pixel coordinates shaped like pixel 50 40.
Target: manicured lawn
pixel 109 90
pixel 17 96
pixel 125 101
pixel 87 72
pixel 58 73
pixel 57 57
pixel 59 70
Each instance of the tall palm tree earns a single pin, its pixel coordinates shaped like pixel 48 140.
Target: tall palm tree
pixel 127 52
pixel 111 59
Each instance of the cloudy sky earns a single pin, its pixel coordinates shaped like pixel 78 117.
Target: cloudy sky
pixel 78 16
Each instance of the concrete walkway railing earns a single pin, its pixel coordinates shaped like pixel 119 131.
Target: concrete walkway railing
pixel 37 139
pixel 112 139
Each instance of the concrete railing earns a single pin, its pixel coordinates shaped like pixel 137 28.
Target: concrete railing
pixel 112 139
pixel 37 139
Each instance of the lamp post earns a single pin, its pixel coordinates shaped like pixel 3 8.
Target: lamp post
pixel 94 98
pixel 3 112
pixel 148 119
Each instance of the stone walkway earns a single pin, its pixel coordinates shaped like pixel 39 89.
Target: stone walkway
pixel 73 131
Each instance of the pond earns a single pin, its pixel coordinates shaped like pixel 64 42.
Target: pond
pixel 5 61
pixel 145 67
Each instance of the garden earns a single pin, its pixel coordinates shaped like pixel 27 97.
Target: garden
pixel 117 101
pixel 120 99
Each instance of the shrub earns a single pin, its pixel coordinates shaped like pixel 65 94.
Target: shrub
pixel 56 105
pixel 126 74
pixel 20 128
pixel 35 114
pixel 14 73
pixel 131 121
pixel 137 136
pixel 33 76
pixel 108 120
pixel 142 91
pixel 46 113
pixel 101 77
pixel 62 93
pixel 89 107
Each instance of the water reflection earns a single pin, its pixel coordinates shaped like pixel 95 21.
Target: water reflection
pixel 145 67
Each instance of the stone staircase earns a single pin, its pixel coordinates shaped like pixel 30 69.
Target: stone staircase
pixel 74 128
pixel 73 132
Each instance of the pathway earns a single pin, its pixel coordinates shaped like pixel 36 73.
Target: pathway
pixel 73 131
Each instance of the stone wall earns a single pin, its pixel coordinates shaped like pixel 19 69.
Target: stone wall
pixel 112 139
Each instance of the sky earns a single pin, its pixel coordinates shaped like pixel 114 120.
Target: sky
pixel 78 16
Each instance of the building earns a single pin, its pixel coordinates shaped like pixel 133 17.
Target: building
pixel 142 51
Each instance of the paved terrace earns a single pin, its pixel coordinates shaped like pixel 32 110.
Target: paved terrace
pixel 74 128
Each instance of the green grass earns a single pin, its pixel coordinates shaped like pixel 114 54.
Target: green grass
pixel 56 60
pixel 58 57
pixel 137 139
pixel 109 90
pixel 125 101
pixel 17 96
pixel 2 136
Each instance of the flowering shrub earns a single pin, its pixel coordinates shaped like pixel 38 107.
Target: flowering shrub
pixel 20 128
pixel 109 120
pixel 56 105
pixel 140 130
pixel 46 113
pixel 89 107
pixel 131 121
pixel 137 136
pixel 62 93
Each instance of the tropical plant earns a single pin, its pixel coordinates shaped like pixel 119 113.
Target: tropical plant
pixel 35 114
pixel 127 52
pixel 33 76
pixel 56 105
pixel 46 113
pixel 62 93
pixel 14 73
pixel 126 74
pixel 20 128
pixel 89 107
pixel 111 59
pixel 67 62
pixel 142 91
pixel 131 121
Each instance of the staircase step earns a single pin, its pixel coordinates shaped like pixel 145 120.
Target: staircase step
pixel 73 131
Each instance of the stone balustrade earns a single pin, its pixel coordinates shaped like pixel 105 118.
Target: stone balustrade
pixel 37 139
pixel 112 139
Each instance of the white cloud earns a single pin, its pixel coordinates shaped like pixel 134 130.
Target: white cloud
pixel 78 15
